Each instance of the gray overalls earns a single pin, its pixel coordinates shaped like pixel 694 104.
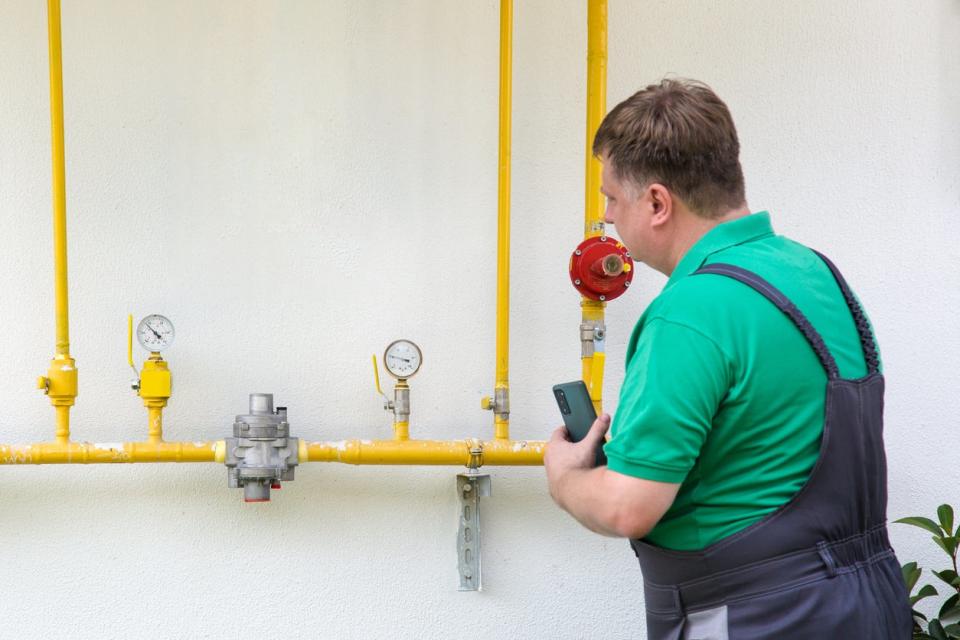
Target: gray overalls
pixel 819 567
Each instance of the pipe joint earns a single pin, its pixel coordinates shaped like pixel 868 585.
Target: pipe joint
pixel 475 446
pixel 593 333
pixel 60 383
pixel 499 403
pixel 401 403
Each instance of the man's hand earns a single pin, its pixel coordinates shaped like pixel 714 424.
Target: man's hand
pixel 604 501
pixel 562 455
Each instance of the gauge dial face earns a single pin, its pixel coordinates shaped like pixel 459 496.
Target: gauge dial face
pixel 155 333
pixel 402 358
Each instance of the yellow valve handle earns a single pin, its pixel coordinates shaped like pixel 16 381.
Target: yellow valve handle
pixel 136 374
pixel 130 341
pixel 376 375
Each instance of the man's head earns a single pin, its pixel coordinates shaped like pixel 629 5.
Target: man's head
pixel 671 168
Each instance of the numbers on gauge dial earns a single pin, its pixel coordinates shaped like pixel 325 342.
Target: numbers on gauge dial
pixel 402 358
pixel 155 333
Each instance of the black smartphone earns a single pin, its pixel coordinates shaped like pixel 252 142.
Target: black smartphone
pixel 578 413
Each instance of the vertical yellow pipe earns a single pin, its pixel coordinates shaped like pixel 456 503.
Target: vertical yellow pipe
pixel 596 109
pixel 59 179
pixel 501 421
pixel 155 425
pixel 60 384
pixel 63 422
pixel 592 312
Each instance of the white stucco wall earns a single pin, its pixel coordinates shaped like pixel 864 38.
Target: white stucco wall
pixel 297 183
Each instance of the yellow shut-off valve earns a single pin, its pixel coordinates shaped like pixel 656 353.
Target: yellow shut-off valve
pixel 156 383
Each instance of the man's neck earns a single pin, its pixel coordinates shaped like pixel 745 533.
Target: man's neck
pixel 693 228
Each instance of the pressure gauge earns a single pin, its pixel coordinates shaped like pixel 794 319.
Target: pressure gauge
pixel 402 359
pixel 155 333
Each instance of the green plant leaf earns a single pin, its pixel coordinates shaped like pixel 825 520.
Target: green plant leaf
pixel 948 544
pixel 945 514
pixel 926 591
pixel 952 630
pixel 910 575
pixel 947 575
pixel 950 609
pixel 923 523
pixel 936 630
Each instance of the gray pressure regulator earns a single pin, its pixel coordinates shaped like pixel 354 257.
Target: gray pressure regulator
pixel 261 452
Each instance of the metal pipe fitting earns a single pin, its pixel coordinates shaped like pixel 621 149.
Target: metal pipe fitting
pixel 261 454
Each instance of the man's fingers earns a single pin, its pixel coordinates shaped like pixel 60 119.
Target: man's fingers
pixel 560 434
pixel 599 428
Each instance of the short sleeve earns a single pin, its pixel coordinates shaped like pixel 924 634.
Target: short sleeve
pixel 674 384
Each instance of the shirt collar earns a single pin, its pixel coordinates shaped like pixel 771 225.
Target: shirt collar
pixel 722 236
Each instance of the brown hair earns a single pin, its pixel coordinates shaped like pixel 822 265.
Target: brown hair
pixel 681 134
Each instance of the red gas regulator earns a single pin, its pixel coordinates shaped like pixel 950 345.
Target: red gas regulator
pixel 601 268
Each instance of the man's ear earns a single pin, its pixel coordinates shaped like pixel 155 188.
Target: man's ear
pixel 661 204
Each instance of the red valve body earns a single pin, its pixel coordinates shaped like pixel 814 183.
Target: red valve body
pixel 601 268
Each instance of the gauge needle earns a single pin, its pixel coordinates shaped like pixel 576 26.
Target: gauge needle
pixel 159 337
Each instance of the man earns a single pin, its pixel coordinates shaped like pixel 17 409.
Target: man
pixel 746 460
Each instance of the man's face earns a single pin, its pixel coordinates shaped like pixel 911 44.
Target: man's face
pixel 627 210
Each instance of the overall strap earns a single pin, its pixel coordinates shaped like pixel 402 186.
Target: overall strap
pixel 867 342
pixel 789 309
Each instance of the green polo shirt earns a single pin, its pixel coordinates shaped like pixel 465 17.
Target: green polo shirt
pixel 722 393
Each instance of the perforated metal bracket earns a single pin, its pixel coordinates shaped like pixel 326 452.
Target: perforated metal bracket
pixel 470 488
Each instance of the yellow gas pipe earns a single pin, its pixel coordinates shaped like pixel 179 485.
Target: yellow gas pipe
pixel 592 311
pixel 60 383
pixel 501 401
pixel 108 452
pixel 470 453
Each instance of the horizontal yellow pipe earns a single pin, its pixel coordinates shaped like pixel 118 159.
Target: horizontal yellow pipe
pixel 107 452
pixel 381 452
pixel 428 452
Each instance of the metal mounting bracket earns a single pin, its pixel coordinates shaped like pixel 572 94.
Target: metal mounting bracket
pixel 470 488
